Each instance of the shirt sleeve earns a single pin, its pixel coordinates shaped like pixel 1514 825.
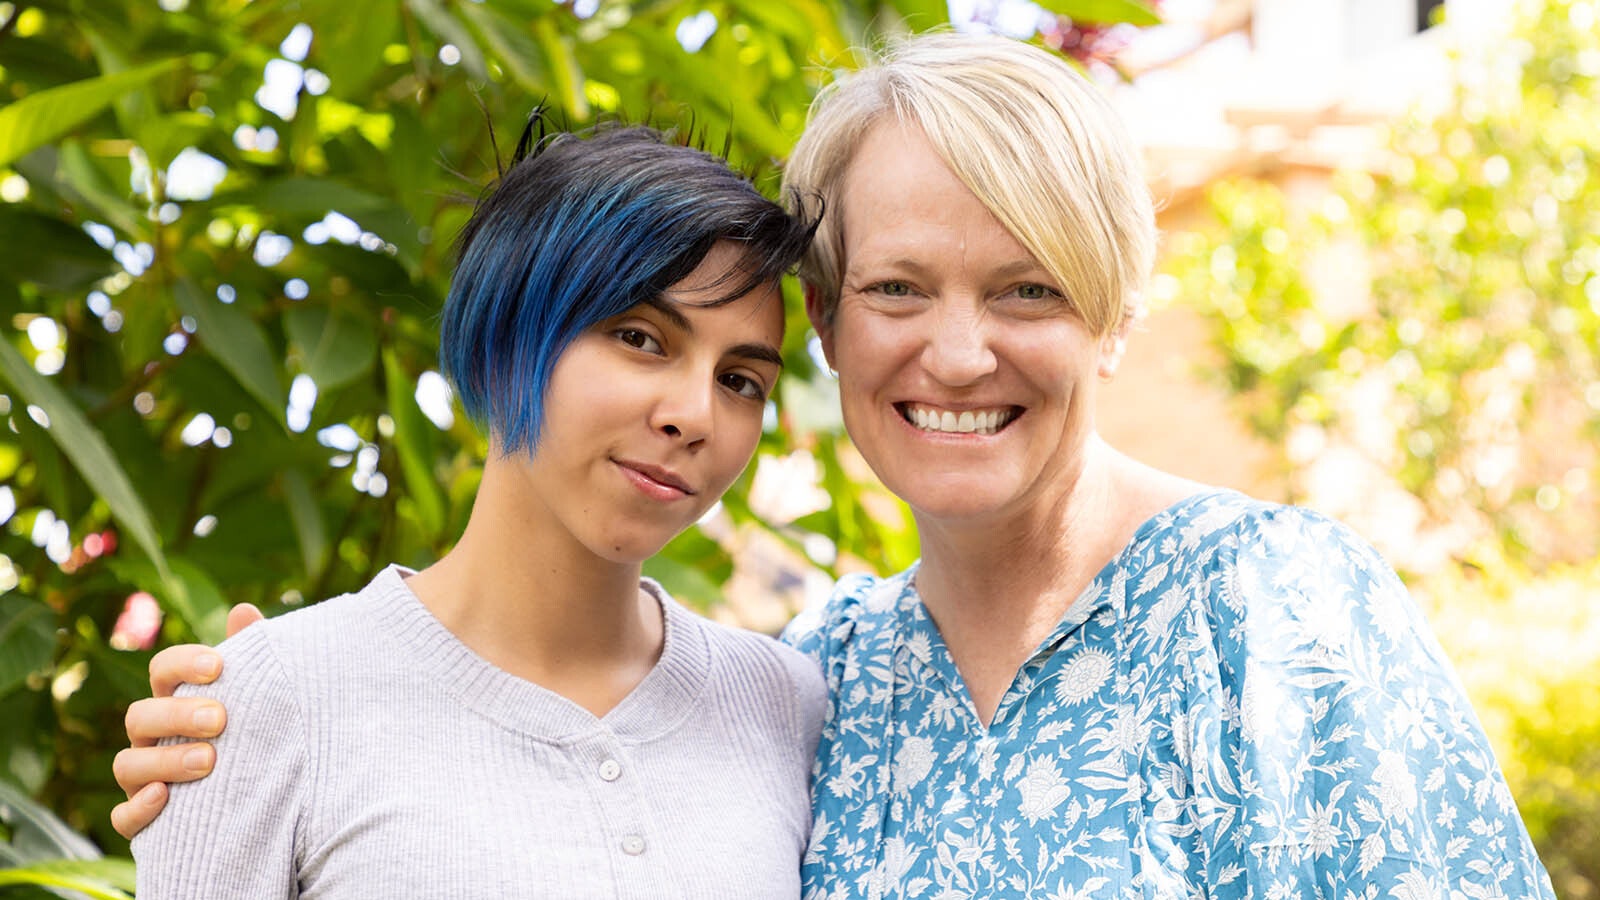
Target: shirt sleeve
pixel 1354 757
pixel 233 833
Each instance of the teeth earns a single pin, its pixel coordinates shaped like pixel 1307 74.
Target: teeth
pixel 965 422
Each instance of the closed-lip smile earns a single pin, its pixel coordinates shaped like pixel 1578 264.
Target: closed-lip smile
pixel 648 476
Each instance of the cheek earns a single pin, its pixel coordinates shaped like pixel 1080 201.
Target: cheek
pixel 866 345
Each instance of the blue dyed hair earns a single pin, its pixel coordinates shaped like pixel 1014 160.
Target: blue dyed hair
pixel 580 229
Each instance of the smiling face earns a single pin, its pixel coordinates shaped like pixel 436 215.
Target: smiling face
pixel 652 414
pixel 966 380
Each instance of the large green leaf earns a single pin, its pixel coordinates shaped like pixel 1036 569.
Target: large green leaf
pixel 40 118
pixel 27 640
pixel 335 348
pixel 36 833
pixel 100 879
pixel 48 252
pixel 238 343
pixel 306 515
pixel 512 45
pixel 350 37
pixel 87 449
pixel 1104 12
pixel 412 443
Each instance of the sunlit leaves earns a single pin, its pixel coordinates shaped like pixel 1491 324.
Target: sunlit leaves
pixel 42 117
pixel 81 443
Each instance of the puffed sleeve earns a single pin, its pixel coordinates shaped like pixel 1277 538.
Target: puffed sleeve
pixel 1355 761
pixel 232 834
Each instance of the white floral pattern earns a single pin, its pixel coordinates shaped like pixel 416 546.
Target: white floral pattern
pixel 1244 704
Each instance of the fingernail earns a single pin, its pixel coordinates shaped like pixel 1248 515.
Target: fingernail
pixel 196 760
pixel 207 721
pixel 209 665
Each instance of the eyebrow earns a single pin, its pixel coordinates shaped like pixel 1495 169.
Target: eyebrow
pixel 1013 269
pixel 755 352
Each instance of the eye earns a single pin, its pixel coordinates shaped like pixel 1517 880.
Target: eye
pixel 633 337
pixel 893 289
pixel 1035 292
pixel 743 385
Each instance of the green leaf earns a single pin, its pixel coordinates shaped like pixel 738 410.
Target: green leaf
pixel 297 196
pixel 101 879
pixel 413 444
pixel 27 640
pixel 308 525
pixel 189 593
pixel 564 68
pixel 40 118
pixel 36 833
pixel 335 349
pixel 87 449
pixel 449 31
pixel 238 343
pixel 511 44
pixel 350 37
pixel 48 252
pixel 1104 12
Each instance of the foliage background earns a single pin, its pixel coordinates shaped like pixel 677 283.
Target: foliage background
pixel 158 337
pixel 1444 386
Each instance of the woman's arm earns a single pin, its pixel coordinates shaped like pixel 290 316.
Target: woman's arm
pixel 144 769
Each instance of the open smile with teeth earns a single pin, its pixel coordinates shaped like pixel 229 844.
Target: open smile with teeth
pixel 967 421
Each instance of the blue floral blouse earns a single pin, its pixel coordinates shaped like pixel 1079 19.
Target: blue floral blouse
pixel 1244 703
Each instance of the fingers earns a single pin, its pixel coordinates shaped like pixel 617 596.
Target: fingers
pixel 154 718
pixel 183 664
pixel 241 616
pixel 132 815
pixel 138 768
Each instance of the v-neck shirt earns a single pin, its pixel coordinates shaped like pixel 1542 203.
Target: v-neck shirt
pixel 1244 702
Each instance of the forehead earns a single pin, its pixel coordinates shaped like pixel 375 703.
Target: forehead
pixel 756 316
pixel 900 198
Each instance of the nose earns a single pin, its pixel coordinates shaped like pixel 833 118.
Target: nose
pixel 685 411
pixel 957 352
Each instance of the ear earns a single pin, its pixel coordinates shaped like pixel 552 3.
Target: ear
pixel 819 320
pixel 1112 346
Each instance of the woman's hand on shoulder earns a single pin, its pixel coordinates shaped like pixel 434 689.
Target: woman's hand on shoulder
pixel 144 769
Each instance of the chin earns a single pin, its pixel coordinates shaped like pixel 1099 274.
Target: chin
pixel 630 549
pixel 965 497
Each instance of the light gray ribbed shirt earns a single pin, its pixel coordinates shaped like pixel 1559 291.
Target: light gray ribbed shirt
pixel 369 753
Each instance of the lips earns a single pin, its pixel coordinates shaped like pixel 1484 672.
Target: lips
pixel 940 420
pixel 655 481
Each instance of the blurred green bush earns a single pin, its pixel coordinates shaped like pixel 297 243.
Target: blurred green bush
pixel 1429 334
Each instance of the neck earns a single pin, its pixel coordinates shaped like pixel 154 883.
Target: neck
pixel 1013 575
pixel 997 587
pixel 521 592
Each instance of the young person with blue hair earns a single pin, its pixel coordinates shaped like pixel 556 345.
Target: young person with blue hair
pixel 527 716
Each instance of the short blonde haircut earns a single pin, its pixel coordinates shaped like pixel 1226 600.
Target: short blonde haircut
pixel 1038 144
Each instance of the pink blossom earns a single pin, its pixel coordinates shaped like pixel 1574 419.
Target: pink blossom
pixel 140 622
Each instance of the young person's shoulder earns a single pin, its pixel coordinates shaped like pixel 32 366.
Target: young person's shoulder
pixel 314 642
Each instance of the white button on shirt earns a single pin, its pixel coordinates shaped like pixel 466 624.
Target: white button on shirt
pixel 610 770
pixel 633 845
